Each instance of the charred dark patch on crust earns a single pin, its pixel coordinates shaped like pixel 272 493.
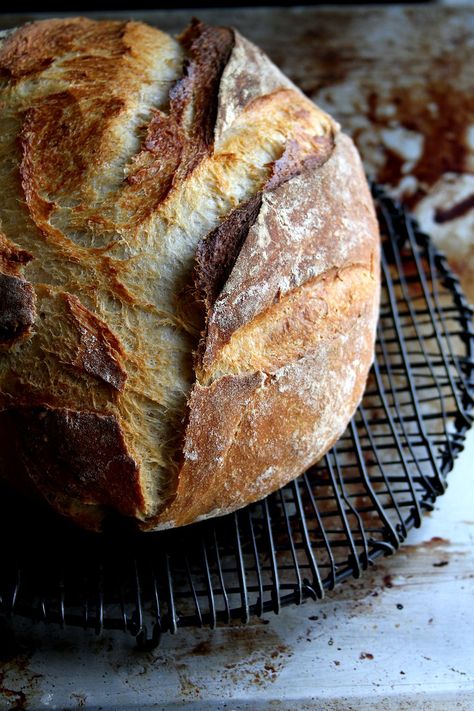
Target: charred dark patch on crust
pixel 217 253
pixel 99 350
pixel 82 454
pixel 17 309
pixel 17 297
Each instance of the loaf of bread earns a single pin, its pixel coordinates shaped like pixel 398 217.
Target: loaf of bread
pixel 189 272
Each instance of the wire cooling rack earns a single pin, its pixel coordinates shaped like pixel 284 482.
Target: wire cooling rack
pixel 355 505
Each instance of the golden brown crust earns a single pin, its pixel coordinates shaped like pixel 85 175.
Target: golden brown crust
pixel 175 143
pixel 12 259
pixel 32 48
pixel 99 352
pixel 275 400
pixel 324 219
pixel 162 198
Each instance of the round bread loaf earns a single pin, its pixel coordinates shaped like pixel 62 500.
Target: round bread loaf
pixel 189 272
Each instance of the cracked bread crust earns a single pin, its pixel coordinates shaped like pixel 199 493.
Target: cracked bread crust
pixel 282 374
pixel 189 272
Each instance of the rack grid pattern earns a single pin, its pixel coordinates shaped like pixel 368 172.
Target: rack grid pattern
pixel 356 504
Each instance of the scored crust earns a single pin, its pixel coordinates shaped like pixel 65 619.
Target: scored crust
pixel 282 373
pixel 189 272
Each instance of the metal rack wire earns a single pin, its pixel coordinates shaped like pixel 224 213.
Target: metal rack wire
pixel 357 504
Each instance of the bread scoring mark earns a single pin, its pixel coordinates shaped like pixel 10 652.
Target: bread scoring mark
pixel 206 430
pixel 217 252
pixel 177 140
pixel 310 152
pixel 81 452
pixel 297 323
pixel 209 49
pixel 300 214
pixel 99 351
pixel 128 252
pixel 249 74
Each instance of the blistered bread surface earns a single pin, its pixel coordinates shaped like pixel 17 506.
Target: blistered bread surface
pixel 188 271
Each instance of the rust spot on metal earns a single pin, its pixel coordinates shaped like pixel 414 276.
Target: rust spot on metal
pixel 202 649
pixel 458 210
pixel 440 114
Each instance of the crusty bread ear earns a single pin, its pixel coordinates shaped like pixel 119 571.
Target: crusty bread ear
pixel 289 343
pixel 188 272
